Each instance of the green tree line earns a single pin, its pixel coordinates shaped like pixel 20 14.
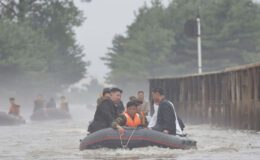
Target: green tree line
pixel 38 49
pixel 156 45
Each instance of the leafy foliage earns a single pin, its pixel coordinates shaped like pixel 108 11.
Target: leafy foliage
pixel 156 45
pixel 38 48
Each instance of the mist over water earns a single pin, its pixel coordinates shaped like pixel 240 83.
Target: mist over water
pixel 60 140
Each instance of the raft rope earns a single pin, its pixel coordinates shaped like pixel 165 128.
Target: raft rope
pixel 125 146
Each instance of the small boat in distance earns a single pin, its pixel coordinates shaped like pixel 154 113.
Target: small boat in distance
pixel 50 114
pixel 8 120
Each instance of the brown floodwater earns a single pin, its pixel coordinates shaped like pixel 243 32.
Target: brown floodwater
pixel 56 140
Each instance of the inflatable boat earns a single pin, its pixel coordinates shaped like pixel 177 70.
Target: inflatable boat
pixel 134 138
pixel 49 114
pixel 6 119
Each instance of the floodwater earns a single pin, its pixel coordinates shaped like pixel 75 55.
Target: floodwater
pixel 59 140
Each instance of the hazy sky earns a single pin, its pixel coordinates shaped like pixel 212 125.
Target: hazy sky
pixel 105 18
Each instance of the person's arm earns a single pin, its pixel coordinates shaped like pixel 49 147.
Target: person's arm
pixel 18 109
pixel 118 123
pixel 145 123
pixel 147 108
pixel 10 110
pixel 151 109
pixel 67 104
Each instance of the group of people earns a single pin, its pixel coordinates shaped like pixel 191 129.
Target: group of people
pixel 110 112
pixel 39 104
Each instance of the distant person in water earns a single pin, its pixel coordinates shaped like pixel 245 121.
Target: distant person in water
pixel 51 103
pixel 64 104
pixel 14 109
pixel 39 103
pixel 105 95
pixel 130 118
pixel 107 111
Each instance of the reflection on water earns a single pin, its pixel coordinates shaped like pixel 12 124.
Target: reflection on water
pixel 60 140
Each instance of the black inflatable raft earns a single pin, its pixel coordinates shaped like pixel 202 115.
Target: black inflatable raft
pixel 134 138
pixel 6 120
pixel 49 114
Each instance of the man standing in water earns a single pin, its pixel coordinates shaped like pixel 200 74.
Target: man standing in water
pixel 51 103
pixel 64 105
pixel 38 103
pixel 14 108
pixel 167 121
pixel 107 111
pixel 144 107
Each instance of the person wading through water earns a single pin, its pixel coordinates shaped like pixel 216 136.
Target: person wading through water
pixel 39 103
pixel 167 121
pixel 14 109
pixel 106 112
pixel 64 105
pixel 144 107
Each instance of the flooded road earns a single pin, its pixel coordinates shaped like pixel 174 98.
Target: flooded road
pixel 57 140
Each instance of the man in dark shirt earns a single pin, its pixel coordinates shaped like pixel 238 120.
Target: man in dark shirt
pixel 39 103
pixel 166 116
pixel 106 112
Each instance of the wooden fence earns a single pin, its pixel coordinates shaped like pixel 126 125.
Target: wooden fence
pixel 229 99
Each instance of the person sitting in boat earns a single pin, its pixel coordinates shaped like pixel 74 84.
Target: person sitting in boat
pixel 107 111
pixel 64 106
pixel 51 103
pixel 130 118
pixel 167 121
pixel 105 95
pixel 38 103
pixel 14 108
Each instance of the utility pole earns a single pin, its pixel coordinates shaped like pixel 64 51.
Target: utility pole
pixel 199 45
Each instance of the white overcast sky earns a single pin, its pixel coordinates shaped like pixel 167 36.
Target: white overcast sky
pixel 105 18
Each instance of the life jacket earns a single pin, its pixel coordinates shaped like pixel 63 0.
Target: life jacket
pixel 133 122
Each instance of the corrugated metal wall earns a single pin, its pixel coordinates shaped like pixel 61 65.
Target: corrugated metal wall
pixel 228 99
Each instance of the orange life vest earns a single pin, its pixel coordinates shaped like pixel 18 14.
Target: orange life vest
pixel 133 122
